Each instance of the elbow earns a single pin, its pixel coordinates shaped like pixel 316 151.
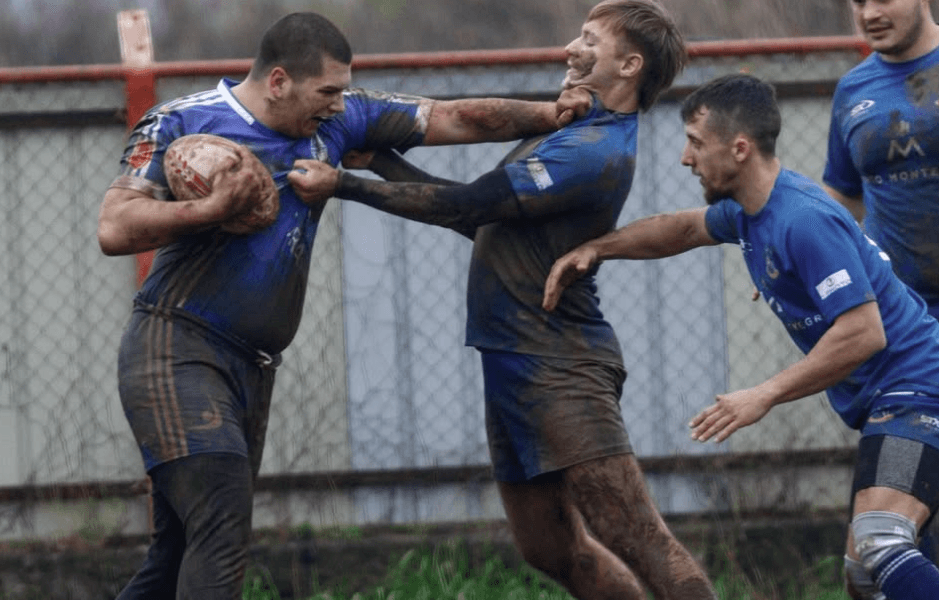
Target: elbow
pixel 878 341
pixel 858 353
pixel 860 335
pixel 870 343
pixel 108 248
pixel 109 242
pixel 876 337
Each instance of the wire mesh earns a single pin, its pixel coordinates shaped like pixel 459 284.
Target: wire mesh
pixel 378 377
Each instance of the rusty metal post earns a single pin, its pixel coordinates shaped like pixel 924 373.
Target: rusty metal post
pixel 133 27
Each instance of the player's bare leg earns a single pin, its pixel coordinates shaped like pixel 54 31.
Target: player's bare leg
pixel 611 495
pixel 550 534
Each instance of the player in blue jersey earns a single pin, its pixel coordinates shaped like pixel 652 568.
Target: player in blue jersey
pixel 882 153
pixel 572 489
pixel 197 359
pixel 867 337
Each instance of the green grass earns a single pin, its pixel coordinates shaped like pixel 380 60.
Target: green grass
pixel 820 581
pixel 446 574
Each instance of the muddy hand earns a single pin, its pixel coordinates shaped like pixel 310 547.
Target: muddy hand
pixel 565 271
pixel 573 103
pixel 314 181
pixel 234 189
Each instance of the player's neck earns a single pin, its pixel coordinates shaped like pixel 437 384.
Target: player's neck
pixel 756 184
pixel 251 96
pixel 622 98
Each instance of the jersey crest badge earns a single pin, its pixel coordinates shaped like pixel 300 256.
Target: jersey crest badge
pixel 771 269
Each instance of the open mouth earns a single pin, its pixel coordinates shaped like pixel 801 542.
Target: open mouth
pixel 577 73
pixel 318 120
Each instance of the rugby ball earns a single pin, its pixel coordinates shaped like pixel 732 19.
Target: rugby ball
pixel 191 162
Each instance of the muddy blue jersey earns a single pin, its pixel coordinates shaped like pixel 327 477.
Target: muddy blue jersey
pixel 883 145
pixel 253 286
pixel 570 186
pixel 811 262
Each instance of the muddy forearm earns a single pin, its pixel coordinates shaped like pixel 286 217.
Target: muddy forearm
pixel 414 201
pixel 459 207
pixel 391 166
pixel 488 120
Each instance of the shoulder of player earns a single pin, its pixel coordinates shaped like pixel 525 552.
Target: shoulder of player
pixel 862 76
pixel 807 216
pixel 865 74
pixel 358 95
pixel 179 116
pixel 364 105
pixel 799 190
pixel 606 135
pixel 606 120
pixel 206 100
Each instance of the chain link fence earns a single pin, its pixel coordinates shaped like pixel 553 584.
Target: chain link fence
pixel 378 380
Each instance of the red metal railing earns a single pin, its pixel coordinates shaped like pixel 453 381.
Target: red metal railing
pixel 414 60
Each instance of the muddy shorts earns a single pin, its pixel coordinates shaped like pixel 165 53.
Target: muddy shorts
pixel 187 390
pixel 545 414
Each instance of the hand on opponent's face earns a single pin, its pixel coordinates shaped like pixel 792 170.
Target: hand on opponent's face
pixel 314 181
pixel 573 103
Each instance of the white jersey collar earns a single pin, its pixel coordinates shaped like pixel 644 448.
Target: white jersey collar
pixel 225 90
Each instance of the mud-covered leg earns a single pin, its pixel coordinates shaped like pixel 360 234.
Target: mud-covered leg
pixel 611 494
pixel 551 536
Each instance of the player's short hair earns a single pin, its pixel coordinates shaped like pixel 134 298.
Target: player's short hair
pixel 647 26
pixel 738 103
pixel 298 43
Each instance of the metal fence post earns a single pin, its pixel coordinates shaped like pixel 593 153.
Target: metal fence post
pixel 133 28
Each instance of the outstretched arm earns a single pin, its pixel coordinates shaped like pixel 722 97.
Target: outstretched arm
pixel 854 337
pixel 657 236
pixel 391 166
pixel 460 207
pixel 472 120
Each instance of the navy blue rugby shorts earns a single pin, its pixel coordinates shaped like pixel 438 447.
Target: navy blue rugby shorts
pixel 545 414
pixel 186 389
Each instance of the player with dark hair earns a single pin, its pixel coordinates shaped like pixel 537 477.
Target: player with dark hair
pixel 868 339
pixel 572 489
pixel 197 359
pixel 278 47
pixel 882 153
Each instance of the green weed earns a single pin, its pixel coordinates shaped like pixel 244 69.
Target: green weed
pixel 446 574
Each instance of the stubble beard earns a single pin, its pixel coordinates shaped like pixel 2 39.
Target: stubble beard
pixel 907 41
